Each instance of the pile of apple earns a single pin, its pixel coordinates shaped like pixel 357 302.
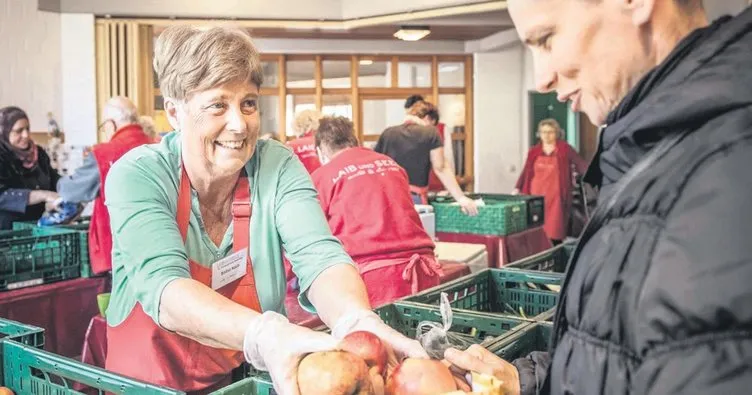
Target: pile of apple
pixel 359 367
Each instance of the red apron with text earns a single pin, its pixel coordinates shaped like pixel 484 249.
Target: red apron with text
pixel 139 348
pixel 390 279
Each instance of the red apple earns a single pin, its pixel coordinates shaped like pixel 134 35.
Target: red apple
pixel 367 346
pixel 334 373
pixel 416 376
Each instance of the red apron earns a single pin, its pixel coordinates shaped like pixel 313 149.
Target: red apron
pixel 390 279
pixel 139 348
pixel 546 183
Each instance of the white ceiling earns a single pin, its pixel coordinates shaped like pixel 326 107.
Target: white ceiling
pixel 334 10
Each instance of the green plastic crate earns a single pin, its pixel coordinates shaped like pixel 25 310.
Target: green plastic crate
pixel 498 217
pixel 81 226
pixel 25 334
pixel 479 328
pixel 552 260
pixel 32 371
pixel 38 256
pixel 519 343
pixel 258 385
pixel 501 291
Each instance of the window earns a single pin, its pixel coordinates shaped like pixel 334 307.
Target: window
pixel 374 74
pixel 336 74
pixel 271 74
pixel 301 74
pixel 337 106
pixel 414 75
pixel 451 75
pixel 379 114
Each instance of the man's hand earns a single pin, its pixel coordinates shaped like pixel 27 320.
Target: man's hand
pixel 478 359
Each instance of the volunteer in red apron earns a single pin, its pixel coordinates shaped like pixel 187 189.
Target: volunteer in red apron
pixel 365 198
pixel 199 222
pixel 305 125
pixel 121 122
pixel 416 146
pixel 548 173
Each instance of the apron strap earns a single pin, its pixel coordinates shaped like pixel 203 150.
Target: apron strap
pixel 241 224
pixel 184 204
pixel 241 220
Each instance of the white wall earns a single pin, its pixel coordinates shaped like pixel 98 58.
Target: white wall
pixel 30 71
pixel 498 119
pixel 79 90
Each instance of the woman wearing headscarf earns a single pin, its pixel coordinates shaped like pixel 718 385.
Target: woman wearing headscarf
pixel 27 179
pixel 548 173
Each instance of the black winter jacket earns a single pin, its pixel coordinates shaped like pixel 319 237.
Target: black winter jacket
pixel 658 294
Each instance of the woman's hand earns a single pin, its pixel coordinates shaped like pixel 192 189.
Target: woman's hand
pixel 366 320
pixel 478 359
pixel 469 206
pixel 273 344
pixel 515 191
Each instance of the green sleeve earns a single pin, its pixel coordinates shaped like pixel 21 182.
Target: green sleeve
pixel 306 237
pixel 148 248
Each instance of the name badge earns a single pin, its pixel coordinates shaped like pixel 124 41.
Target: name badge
pixel 229 269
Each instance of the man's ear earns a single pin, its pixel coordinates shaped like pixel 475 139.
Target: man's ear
pixel 171 107
pixel 641 10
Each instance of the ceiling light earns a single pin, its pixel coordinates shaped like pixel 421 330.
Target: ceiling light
pixel 366 62
pixel 412 33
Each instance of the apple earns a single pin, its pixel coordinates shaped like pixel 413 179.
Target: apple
pixel 415 376
pixel 334 373
pixel 367 346
pixel 6 391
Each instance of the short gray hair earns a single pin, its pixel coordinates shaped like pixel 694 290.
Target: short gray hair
pixel 188 59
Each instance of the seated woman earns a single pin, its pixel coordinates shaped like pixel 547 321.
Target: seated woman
pixel 27 180
pixel 366 199
pixel 548 173
pixel 199 222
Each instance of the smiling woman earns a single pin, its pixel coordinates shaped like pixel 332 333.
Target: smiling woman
pixel 199 224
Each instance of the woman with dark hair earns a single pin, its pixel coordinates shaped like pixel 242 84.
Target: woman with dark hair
pixel 548 173
pixel 27 179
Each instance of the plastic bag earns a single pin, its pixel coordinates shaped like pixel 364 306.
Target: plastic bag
pixel 436 338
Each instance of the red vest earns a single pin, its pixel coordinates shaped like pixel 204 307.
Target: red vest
pixel 140 349
pixel 100 236
pixel 305 148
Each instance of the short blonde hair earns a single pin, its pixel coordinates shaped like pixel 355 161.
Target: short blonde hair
pixel 306 121
pixel 188 59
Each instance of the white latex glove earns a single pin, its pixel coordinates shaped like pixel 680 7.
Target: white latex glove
pixel 275 345
pixel 366 320
pixel 469 206
pixel 515 191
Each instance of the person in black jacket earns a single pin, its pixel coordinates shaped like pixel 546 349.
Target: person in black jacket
pixel 657 294
pixel 27 179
